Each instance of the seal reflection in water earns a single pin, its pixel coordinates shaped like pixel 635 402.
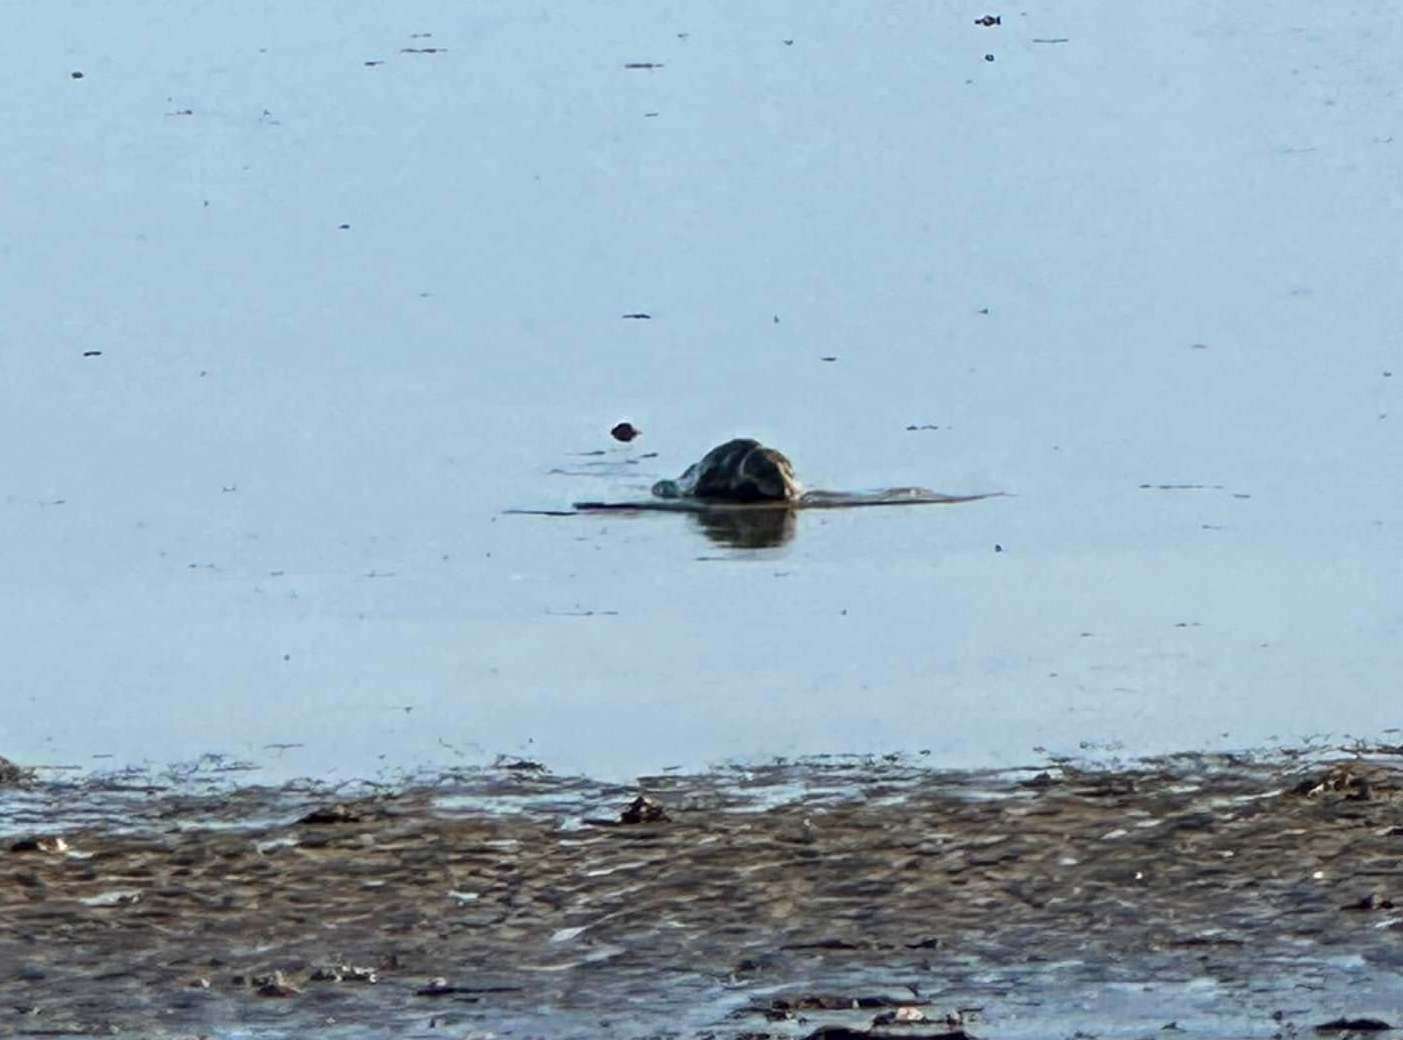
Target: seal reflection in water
pixel 742 470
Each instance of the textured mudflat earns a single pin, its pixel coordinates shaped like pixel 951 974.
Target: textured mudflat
pixel 1229 897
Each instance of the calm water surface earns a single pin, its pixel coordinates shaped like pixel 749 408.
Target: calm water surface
pixel 1144 281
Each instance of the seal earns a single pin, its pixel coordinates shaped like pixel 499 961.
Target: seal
pixel 741 470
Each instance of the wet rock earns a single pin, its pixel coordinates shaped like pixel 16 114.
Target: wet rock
pixel 625 431
pixel 13 774
pixel 1372 901
pixel 49 844
pixel 846 1033
pixel 333 814
pixel 1343 781
pixel 274 985
pixel 518 765
pixel 344 973
pixel 907 1015
pixel 644 810
pixel 1354 1025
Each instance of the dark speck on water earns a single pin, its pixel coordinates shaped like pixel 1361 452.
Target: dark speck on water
pixel 639 316
pixel 76 75
pixel 92 353
pixel 643 65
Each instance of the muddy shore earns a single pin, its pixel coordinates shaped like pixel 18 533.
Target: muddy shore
pixel 1213 895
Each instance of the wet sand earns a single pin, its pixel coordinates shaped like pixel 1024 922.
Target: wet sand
pixel 1230 897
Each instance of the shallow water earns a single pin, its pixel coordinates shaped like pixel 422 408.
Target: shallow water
pixel 1144 280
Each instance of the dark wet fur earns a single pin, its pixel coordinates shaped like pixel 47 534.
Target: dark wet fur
pixel 741 470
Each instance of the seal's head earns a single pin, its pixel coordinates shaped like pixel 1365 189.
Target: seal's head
pixel 741 470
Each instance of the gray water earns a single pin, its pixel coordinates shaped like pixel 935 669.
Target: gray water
pixel 271 512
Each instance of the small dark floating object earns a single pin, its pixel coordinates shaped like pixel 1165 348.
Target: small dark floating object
pixel 989 19
pixel 923 426
pixel 92 353
pixel 638 316
pixel 830 357
pixel 372 64
pixel 1052 39
pixel 76 75
pixel 343 227
pixel 644 810
pixel 643 65
pixel 988 57
pixel 625 431
pixel 1353 1025
pixel 789 43
pixel 422 50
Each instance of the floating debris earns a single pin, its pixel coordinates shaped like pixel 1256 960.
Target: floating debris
pixel 624 431
pixel 638 316
pixel 643 65
pixel 92 353
pixel 989 20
